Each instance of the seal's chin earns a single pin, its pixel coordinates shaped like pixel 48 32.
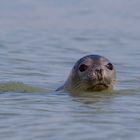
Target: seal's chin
pixel 98 87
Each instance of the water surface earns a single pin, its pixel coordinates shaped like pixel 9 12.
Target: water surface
pixel 39 43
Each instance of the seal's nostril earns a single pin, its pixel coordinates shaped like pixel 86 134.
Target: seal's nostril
pixel 99 73
pixel 99 70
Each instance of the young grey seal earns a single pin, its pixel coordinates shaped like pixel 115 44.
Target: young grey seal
pixel 90 73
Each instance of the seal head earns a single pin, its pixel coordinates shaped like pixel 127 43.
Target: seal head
pixel 91 73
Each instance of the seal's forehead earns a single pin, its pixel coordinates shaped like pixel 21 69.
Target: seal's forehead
pixel 92 59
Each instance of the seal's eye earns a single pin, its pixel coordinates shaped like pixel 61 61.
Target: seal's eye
pixel 109 66
pixel 83 67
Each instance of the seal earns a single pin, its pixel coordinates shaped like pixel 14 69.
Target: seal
pixel 90 73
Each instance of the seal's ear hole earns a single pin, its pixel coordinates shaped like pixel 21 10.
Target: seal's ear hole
pixel 109 66
pixel 83 67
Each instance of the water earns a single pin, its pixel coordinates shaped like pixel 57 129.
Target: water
pixel 39 43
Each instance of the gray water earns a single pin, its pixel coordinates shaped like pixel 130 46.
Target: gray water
pixel 40 40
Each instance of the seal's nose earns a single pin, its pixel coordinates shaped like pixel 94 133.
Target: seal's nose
pixel 99 73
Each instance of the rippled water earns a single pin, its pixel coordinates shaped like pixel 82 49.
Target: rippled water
pixel 39 43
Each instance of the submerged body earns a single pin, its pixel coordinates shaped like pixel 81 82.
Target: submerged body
pixel 90 73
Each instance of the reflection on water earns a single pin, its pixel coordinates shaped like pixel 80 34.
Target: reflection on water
pixel 93 98
pixel 39 43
